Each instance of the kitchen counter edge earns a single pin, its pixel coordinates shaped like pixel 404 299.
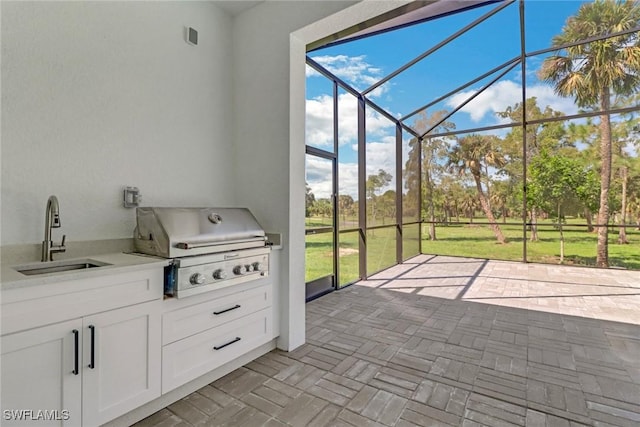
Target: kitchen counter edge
pixel 119 263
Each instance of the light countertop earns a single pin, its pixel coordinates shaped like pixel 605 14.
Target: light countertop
pixel 119 262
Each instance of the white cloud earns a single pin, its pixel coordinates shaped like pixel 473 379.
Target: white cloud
pixel 354 70
pixel 348 178
pixel 380 155
pixel 319 125
pixel 507 93
pixel 319 110
pixel 546 96
pixel 318 176
pixel 319 117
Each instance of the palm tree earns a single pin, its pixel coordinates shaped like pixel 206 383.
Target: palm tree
pixel 498 201
pixel 468 204
pixel 634 210
pixel 473 154
pixel 593 72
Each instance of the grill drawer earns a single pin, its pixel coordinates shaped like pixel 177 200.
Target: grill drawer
pixel 187 359
pixel 188 321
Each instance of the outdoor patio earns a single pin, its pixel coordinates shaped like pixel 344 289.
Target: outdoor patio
pixel 447 341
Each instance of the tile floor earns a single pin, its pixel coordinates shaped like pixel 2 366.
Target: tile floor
pixel 444 341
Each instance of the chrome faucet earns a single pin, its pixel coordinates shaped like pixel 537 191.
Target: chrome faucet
pixel 52 220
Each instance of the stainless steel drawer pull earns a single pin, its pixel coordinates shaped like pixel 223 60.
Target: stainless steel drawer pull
pixel 220 347
pixel 228 309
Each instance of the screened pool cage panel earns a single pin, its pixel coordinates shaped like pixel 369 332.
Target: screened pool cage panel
pixel 513 66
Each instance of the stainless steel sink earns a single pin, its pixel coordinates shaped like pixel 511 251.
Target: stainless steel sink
pixel 59 266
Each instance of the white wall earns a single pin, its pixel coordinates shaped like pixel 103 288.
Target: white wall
pixel 261 39
pixel 269 72
pixel 100 95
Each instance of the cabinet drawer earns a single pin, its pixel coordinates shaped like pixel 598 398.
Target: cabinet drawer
pixel 187 359
pixel 188 321
pixel 41 305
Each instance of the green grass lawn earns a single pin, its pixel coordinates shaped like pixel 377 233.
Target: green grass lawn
pixel 475 241
pixel 580 245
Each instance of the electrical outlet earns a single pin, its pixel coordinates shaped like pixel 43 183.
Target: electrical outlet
pixel 132 197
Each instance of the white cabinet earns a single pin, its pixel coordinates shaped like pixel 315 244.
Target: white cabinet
pixel 38 375
pixel 85 352
pixel 202 337
pixel 87 370
pixel 92 369
pixel 121 361
pixel 178 324
pixel 34 306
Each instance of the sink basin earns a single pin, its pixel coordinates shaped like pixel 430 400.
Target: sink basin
pixel 59 266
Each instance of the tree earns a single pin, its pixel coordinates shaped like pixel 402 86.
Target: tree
pixel 309 200
pixel 387 205
pixel 626 133
pixel 474 153
pixel 592 73
pixel 345 206
pixel 453 194
pixel 622 165
pixel 323 208
pixel 498 201
pixel 434 151
pixel 586 134
pixel 374 184
pixel 539 136
pixel 634 210
pixel 469 204
pixel 556 181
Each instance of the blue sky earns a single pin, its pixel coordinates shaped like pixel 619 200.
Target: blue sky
pixel 365 61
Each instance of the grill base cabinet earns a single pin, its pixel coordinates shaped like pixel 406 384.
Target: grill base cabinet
pixel 201 337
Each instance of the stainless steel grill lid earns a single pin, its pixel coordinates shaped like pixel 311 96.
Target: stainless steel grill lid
pixel 177 232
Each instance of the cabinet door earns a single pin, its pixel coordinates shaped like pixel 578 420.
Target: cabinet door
pixel 122 368
pixel 39 385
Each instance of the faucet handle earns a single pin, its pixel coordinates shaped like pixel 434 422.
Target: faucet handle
pixel 60 247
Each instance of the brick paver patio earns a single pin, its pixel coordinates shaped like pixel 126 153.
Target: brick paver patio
pixel 443 341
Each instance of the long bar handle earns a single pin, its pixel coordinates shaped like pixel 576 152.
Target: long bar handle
pixel 220 347
pixel 205 244
pixel 228 309
pixel 76 352
pixel 92 362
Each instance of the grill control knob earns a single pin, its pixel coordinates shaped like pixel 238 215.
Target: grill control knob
pixel 238 270
pixel 219 274
pixel 249 268
pixel 257 266
pixel 197 279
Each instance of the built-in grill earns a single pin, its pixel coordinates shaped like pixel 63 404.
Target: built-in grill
pixel 210 248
